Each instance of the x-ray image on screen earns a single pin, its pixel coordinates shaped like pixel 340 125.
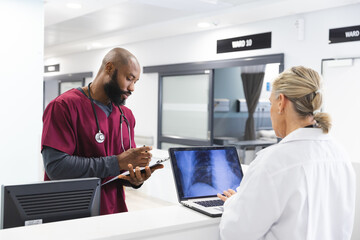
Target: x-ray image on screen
pixel 208 172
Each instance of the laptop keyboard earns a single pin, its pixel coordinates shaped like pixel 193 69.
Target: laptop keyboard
pixel 211 203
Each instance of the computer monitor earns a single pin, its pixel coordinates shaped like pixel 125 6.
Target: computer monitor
pixel 49 201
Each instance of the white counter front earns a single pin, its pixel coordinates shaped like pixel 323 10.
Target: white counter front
pixel 154 213
pixel 170 222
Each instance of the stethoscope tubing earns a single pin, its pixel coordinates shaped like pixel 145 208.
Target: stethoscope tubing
pixel 128 127
pixel 100 137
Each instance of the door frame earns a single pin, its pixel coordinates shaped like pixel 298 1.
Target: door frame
pixel 236 62
pixel 70 77
pixel 182 68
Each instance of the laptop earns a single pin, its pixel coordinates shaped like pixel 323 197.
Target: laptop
pixel 202 172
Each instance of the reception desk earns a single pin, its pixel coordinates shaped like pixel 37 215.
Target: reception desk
pixel 169 222
pixel 154 213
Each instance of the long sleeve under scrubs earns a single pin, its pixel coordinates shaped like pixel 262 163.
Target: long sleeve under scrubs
pixel 70 127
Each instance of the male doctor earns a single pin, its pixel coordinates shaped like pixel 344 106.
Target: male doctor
pixel 88 132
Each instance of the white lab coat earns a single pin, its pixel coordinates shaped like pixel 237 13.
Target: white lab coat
pixel 301 188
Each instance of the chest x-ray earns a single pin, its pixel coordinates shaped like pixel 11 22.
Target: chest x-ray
pixel 208 172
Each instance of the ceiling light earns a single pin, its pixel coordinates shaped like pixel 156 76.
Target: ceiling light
pixel 210 1
pixel 204 24
pixel 74 5
pixel 94 45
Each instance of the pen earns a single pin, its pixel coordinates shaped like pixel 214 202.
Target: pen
pixel 162 160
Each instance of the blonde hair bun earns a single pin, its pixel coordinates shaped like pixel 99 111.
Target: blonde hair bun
pixel 302 86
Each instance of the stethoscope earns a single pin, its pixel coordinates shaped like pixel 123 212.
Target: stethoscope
pixel 100 137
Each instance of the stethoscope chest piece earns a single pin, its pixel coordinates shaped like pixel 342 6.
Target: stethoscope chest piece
pixel 100 137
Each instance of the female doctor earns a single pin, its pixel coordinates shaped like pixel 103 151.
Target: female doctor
pixel 304 186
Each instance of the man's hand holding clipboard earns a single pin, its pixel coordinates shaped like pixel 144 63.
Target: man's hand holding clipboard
pixel 140 174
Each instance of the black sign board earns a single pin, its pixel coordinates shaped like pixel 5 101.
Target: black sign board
pixel 346 34
pixel 250 42
pixel 52 68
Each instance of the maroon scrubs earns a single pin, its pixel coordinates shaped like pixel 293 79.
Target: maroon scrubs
pixel 70 127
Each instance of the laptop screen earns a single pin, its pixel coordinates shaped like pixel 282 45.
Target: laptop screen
pixel 205 171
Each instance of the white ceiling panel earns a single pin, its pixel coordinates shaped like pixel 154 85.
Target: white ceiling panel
pixel 118 17
pixel 56 10
pixel 106 23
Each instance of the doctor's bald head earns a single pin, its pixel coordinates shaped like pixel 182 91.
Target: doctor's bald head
pixel 119 72
pixel 118 57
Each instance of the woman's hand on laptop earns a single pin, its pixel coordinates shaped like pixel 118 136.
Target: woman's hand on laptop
pixel 226 194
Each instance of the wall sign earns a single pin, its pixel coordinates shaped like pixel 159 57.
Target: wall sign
pixel 346 34
pixel 52 68
pixel 250 42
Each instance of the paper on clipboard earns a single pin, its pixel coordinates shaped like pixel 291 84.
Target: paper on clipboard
pixel 154 161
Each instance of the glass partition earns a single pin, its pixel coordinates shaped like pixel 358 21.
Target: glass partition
pixel 185 112
pixel 185 109
pixel 229 120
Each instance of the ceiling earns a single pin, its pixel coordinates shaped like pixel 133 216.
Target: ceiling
pixel 106 23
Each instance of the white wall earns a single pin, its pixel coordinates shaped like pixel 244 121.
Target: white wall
pixel 341 92
pixel 21 69
pixel 202 47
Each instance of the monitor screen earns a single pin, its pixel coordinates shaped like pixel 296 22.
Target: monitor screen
pixel 49 201
pixel 205 171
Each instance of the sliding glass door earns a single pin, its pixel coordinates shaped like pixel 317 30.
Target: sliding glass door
pixel 185 109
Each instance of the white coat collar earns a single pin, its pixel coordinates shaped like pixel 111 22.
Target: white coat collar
pixel 305 134
pixel 299 135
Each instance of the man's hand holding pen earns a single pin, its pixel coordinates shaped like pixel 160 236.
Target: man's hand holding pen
pixel 137 157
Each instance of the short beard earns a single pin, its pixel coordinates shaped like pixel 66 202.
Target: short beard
pixel 114 92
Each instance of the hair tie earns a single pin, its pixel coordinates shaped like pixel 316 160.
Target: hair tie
pixel 316 112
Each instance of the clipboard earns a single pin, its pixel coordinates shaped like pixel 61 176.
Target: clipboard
pixel 153 163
